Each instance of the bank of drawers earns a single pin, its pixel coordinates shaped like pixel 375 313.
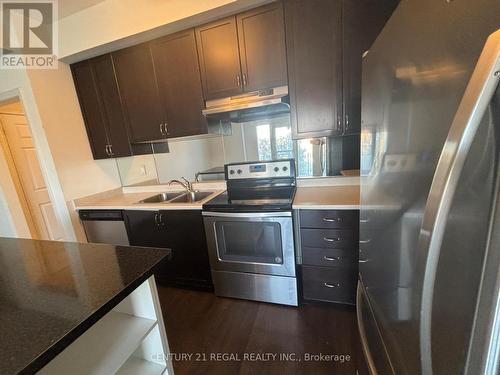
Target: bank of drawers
pixel 329 243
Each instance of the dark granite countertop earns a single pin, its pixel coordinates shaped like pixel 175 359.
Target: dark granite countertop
pixel 52 292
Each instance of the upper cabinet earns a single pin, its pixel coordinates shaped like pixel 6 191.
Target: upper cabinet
pixel 243 53
pixel 101 108
pixel 139 93
pixel 372 16
pixel 314 47
pixel 157 90
pixel 325 44
pixel 219 58
pixel 178 78
pixel 261 36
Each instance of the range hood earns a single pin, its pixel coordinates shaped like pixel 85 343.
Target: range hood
pixel 249 106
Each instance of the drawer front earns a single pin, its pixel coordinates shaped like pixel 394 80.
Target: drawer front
pixel 315 256
pixel 328 238
pixel 329 284
pixel 329 219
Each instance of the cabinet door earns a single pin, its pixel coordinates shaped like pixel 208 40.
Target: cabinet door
pixel 137 83
pixel 144 229
pixel 91 108
pixel 261 35
pixel 186 238
pixel 219 58
pixel 178 75
pixel 104 74
pixel 314 51
pixel 372 16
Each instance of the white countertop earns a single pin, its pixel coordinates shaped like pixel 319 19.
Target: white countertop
pixel 338 197
pixel 341 197
pixel 122 199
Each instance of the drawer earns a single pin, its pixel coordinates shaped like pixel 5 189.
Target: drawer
pixel 328 238
pixel 314 256
pixel 329 284
pixel 329 219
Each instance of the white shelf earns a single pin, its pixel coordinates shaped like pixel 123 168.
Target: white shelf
pixel 136 366
pixel 104 348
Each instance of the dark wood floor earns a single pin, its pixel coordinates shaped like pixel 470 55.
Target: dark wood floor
pixel 221 334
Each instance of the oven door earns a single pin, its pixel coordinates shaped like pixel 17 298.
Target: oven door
pixel 251 242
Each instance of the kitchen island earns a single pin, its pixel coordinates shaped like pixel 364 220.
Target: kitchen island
pixel 80 308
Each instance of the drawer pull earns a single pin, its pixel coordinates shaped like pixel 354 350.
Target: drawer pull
pixel 364 241
pixel 330 259
pixel 363 260
pixel 330 285
pixel 332 220
pixel 364 220
pixel 332 239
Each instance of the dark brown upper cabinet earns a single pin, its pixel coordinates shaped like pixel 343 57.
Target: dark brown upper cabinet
pixel 139 93
pixel 261 36
pixel 101 108
pixel 325 43
pixel 243 53
pixel 362 21
pixel 178 78
pixel 219 58
pixel 314 51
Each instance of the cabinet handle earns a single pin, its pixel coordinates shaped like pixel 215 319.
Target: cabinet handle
pixel 162 223
pixel 166 129
pixel 364 220
pixel 332 220
pixel 339 124
pixel 107 150
pixel 332 239
pixel 244 79
pixel 331 259
pixel 238 80
pixel 346 122
pixel 330 285
pixel 156 220
pixel 111 153
pixel 161 129
pixel 363 260
pixel 365 241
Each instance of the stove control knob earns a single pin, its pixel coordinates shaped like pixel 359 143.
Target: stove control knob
pixel 240 171
pixel 276 169
pixel 285 169
pixel 231 171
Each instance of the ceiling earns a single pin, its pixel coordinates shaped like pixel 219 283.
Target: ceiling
pixel 68 7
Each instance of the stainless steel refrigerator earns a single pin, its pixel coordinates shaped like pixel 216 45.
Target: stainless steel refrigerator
pixel 428 297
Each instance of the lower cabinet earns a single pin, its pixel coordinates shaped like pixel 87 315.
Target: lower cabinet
pixel 181 231
pixel 329 254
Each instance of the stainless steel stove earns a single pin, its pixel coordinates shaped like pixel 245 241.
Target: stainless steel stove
pixel 250 233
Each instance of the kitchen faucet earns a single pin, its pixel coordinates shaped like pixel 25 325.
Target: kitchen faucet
pixel 184 183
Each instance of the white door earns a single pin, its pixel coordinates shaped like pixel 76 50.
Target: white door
pixel 25 160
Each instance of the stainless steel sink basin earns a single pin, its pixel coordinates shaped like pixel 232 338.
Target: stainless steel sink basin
pixel 193 197
pixel 160 198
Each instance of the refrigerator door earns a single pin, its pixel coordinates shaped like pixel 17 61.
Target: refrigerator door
pixel 456 226
pixel 414 78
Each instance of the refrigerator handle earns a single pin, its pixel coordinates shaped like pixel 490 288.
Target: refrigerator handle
pixel 476 99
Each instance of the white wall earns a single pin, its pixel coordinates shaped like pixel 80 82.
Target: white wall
pixel 16 84
pixel 113 24
pixel 188 156
pixel 78 173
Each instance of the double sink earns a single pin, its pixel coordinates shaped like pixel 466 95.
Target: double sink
pixel 178 197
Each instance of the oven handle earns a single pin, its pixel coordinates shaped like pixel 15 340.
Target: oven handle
pixel 246 214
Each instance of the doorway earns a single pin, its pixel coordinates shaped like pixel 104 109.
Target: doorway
pixel 32 198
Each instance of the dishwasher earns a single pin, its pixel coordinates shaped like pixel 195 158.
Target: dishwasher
pixel 104 226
